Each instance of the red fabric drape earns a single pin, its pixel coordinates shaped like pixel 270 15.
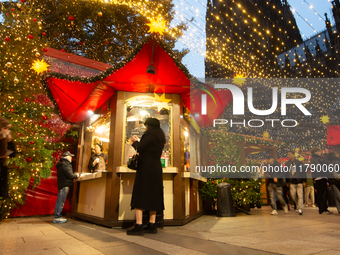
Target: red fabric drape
pixel 75 98
pixel 41 200
pixel 333 135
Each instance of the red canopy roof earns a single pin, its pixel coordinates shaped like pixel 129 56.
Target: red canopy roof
pixel 74 96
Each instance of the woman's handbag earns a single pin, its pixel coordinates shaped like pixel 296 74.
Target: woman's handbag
pixel 133 163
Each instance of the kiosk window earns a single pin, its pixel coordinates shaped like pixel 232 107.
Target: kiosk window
pixel 97 140
pixel 138 110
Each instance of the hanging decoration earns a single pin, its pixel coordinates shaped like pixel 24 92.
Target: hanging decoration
pixel 40 66
pixel 265 135
pixel 239 79
pixel 157 26
pixel 161 102
pixel 325 119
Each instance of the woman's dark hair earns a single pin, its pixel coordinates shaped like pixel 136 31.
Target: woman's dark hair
pixel 152 122
pixel 154 126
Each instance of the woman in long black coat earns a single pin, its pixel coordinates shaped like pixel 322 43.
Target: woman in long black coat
pixel 148 187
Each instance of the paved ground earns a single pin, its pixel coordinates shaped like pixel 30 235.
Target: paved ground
pixel 258 233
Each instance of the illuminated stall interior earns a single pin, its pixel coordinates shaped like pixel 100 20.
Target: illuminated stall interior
pixel 110 108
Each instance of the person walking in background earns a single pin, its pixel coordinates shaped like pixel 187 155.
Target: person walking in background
pixel 65 177
pixel 7 148
pixel 320 180
pixel 334 161
pixel 147 191
pixel 309 189
pixel 297 180
pixel 4 133
pixel 258 176
pixel 275 183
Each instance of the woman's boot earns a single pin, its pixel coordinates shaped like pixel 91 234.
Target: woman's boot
pixel 151 228
pixel 137 230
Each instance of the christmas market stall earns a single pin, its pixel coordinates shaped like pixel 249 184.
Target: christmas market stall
pixel 110 108
pixel 41 200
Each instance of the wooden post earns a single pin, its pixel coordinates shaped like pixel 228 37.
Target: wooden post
pixel 193 196
pixel 179 184
pixel 79 163
pixel 114 157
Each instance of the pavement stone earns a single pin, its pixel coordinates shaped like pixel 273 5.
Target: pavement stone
pixel 256 234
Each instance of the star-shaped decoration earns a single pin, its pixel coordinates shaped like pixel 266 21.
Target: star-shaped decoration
pixel 239 79
pixel 265 135
pixel 40 66
pixel 161 102
pixel 157 26
pixel 325 119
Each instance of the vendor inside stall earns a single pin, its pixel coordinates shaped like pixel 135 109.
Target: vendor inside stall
pixel 98 160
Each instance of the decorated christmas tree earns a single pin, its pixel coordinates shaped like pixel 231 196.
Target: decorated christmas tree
pixel 224 150
pixel 106 31
pixel 23 101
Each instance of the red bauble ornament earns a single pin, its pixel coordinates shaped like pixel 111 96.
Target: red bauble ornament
pixel 30 37
pixel 43 33
pixel 212 182
pixel 71 18
pixel 44 49
pixel 34 20
pixel 28 159
pixel 80 43
pixel 231 162
pixel 44 117
pixel 7 39
pixel 11 110
pixel 107 42
pixel 23 1
pixel 62 50
pixel 31 142
pixel 13 10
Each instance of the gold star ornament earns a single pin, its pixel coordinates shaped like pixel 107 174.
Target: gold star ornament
pixel 239 79
pixel 40 66
pixel 157 26
pixel 161 102
pixel 324 119
pixel 265 135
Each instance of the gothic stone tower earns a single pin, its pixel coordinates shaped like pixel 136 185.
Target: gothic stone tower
pixel 245 36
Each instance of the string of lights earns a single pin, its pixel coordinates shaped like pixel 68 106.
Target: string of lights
pixel 311 7
pixel 230 55
pixel 192 37
pixel 304 19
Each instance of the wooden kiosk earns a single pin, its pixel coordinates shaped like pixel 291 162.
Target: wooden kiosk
pixel 110 108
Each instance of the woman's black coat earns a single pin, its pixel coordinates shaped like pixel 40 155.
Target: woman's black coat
pixel 147 191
